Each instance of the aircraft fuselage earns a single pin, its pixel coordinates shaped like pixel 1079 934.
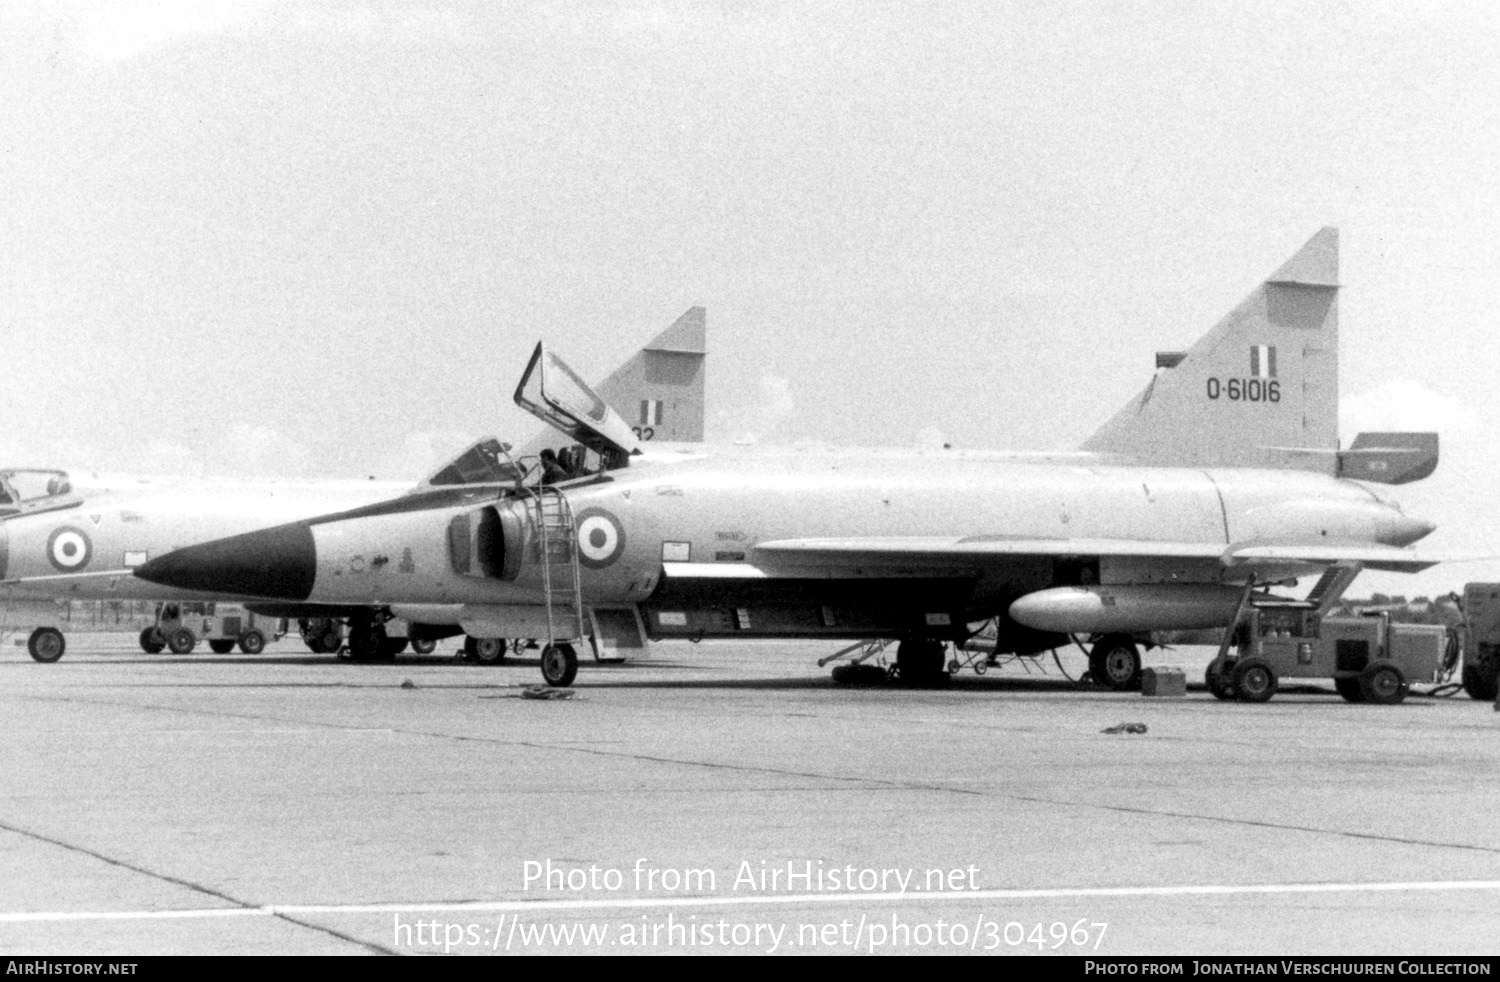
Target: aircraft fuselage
pixel 709 534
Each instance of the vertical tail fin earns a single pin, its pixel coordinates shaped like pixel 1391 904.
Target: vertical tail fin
pixel 1260 386
pixel 660 390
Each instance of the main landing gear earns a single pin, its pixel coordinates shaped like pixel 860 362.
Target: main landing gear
pixel 1115 663
pixel 919 662
pixel 486 651
pixel 369 642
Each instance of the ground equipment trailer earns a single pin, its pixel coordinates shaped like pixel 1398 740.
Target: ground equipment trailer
pixel 180 626
pixel 1479 638
pixel 1369 658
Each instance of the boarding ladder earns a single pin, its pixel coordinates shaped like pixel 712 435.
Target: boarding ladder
pixel 558 542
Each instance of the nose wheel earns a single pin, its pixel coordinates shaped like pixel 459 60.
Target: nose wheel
pixel 46 644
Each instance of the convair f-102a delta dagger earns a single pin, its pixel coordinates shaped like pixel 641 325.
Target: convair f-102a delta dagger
pixel 59 541
pixel 1223 475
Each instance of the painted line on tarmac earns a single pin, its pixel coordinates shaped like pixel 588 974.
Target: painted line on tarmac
pixel 755 900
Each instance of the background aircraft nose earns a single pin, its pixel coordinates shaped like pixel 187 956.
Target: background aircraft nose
pixel 279 563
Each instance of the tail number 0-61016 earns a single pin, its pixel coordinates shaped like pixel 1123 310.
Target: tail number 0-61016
pixel 1245 389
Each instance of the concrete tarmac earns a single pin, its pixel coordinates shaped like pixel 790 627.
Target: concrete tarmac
pixel 724 797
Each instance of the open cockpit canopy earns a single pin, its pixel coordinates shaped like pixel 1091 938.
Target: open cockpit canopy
pixel 556 394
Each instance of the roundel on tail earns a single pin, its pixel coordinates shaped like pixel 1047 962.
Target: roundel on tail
pixel 601 538
pixel 69 549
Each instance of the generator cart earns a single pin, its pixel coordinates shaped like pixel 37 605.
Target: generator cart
pixel 1369 658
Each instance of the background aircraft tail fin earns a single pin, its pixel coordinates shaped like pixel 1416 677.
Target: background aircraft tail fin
pixel 660 390
pixel 1254 391
pixel 1390 458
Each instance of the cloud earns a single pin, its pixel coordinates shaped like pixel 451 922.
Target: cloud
pixel 774 407
pixel 171 458
pixel 115 32
pixel 399 24
pixel 1403 404
pixel 21 450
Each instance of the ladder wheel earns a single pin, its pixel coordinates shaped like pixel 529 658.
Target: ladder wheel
pixel 559 665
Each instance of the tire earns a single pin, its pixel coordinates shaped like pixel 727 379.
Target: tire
pixel 1382 683
pixel 1254 680
pixel 1481 680
pixel 367 645
pixel 471 647
pixel 1115 663
pixel 559 665
pixel 1348 687
pixel 425 647
pixel 46 645
pixel 182 641
pixel 490 651
pixel 1218 683
pixel 919 662
pixel 221 646
pixel 252 642
pixel 152 643
pixel 391 647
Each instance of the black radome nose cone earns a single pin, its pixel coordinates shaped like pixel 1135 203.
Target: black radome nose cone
pixel 279 563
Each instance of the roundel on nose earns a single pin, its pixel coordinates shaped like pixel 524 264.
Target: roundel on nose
pixel 69 549
pixel 601 537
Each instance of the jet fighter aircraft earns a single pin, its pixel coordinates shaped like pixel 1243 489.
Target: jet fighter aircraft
pixel 1222 476
pixel 60 543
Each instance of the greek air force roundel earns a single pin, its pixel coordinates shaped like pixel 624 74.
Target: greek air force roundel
pixel 601 538
pixel 69 549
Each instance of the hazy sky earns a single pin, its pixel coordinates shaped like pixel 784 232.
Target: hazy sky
pixel 319 239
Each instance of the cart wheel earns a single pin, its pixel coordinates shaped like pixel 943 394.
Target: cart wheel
pixel 424 647
pixel 1254 680
pixel 182 641
pixel 981 666
pixel 1382 684
pixel 559 664
pixel 953 666
pixel 252 642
